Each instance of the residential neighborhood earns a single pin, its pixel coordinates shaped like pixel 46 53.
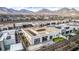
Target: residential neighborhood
pixel 39 31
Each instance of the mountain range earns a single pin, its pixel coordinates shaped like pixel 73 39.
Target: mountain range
pixel 4 10
pixel 63 11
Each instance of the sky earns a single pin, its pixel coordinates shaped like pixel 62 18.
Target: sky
pixel 39 3
pixel 36 8
pixel 20 4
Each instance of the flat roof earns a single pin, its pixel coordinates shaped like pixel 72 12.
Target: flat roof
pixel 40 30
pixel 4 34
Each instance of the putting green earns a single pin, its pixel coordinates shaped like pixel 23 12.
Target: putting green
pixel 58 39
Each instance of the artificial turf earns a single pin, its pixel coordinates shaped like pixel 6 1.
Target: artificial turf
pixel 58 39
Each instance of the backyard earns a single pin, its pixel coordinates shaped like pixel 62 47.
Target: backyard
pixel 58 39
pixel 77 32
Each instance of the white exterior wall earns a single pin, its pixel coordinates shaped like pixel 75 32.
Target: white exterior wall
pixel 63 27
pixel 32 38
pixel 40 36
pixel 2 45
pixel 9 41
pixel 4 41
pixel 18 24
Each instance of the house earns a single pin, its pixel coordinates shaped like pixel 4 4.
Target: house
pixel 75 25
pixel 65 28
pixel 6 27
pixel 38 35
pixel 7 38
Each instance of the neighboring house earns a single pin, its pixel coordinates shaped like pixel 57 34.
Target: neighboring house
pixel 7 38
pixel 6 27
pixel 75 25
pixel 65 29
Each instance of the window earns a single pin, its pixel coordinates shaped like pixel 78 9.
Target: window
pixel 53 23
pixel 4 28
pixel 0 49
pixel 50 37
pixel 62 33
pixel 24 26
pixel 8 37
pixel 70 31
pixel 57 34
pixel 44 38
pixel 48 24
pixel 58 27
pixel 10 28
pixel 1 34
pixel 67 27
pixel 7 47
pixel 67 32
pixel 37 41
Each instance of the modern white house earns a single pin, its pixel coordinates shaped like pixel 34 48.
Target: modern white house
pixel 65 28
pixel 75 25
pixel 38 35
pixel 7 38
